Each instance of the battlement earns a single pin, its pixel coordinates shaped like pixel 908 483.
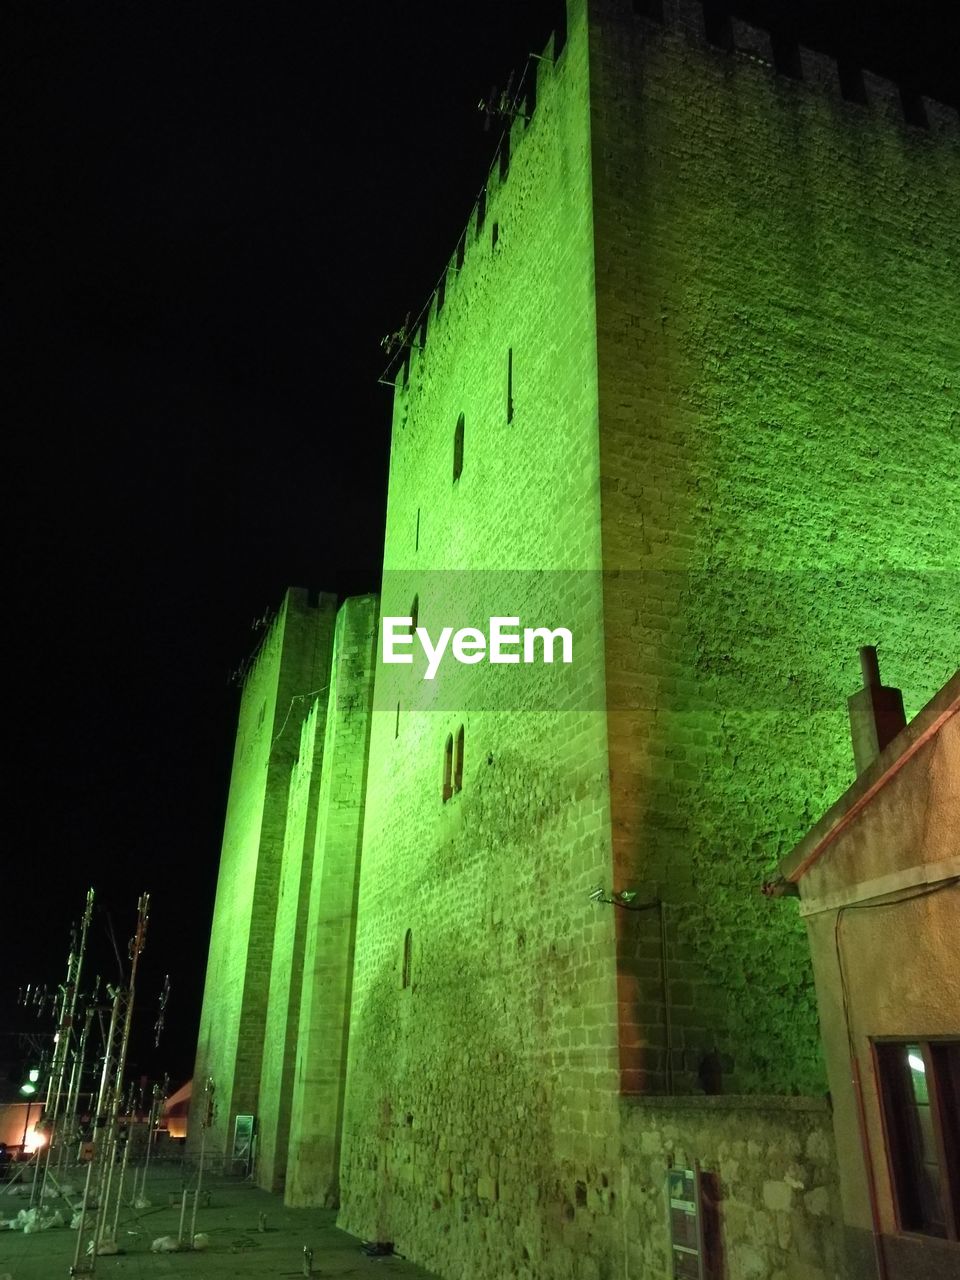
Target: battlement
pixel 522 110
pixel 862 98
pixel 297 601
pixel 789 60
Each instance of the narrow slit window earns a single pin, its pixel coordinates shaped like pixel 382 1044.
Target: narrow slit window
pixel 510 384
pixel 494 235
pixel 414 614
pixel 416 540
pixel 458 450
pixel 447 768
pixel 396 728
pixel 458 763
pixel 407 958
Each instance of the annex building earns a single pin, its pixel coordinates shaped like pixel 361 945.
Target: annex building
pixel 490 966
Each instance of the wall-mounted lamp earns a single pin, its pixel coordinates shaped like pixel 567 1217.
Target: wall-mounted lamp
pixel 626 898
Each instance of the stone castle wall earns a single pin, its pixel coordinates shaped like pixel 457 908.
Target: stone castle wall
pixel 482 1081
pixel 317 1055
pixel 702 330
pixel 771 1196
pixel 292 660
pixel 778 348
pixel 688 386
pixel 286 973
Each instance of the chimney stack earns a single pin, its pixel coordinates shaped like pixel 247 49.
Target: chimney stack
pixel 876 712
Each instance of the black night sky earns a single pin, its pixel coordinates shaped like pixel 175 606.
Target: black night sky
pixel 213 213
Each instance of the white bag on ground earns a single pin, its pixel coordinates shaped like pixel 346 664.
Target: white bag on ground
pixel 165 1244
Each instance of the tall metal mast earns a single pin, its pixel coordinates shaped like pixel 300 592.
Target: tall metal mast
pixel 62 1043
pixel 110 1097
pixel 75 1087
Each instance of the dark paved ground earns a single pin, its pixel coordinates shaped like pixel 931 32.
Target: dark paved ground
pixel 237 1246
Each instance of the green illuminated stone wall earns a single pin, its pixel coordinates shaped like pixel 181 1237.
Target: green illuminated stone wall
pixel 479 1094
pixel 771 1176
pixel 778 350
pixel 734 352
pixel 316 1058
pixel 293 659
pixel 286 972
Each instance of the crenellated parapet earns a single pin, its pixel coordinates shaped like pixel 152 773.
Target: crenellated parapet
pixel 788 60
pixel 481 233
pixel 863 100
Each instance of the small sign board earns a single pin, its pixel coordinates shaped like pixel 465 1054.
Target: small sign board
pixel 686 1224
pixel 243 1140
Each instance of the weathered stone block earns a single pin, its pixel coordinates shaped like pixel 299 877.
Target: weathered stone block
pixel 777 1195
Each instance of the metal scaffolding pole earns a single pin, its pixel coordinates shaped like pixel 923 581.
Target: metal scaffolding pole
pixel 207 1120
pixel 62 1041
pixel 74 1088
pixel 111 1094
pixel 158 1098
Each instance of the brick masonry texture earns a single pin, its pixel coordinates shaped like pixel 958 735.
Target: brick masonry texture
pixel 734 359
pixel 705 372
pixel 321 1044
pixel 292 660
pixel 286 972
pixel 471 1090
pixel 772 1196
pixel 778 354
pixel 274 1022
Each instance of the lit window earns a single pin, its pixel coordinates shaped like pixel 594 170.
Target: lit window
pixel 920 1096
